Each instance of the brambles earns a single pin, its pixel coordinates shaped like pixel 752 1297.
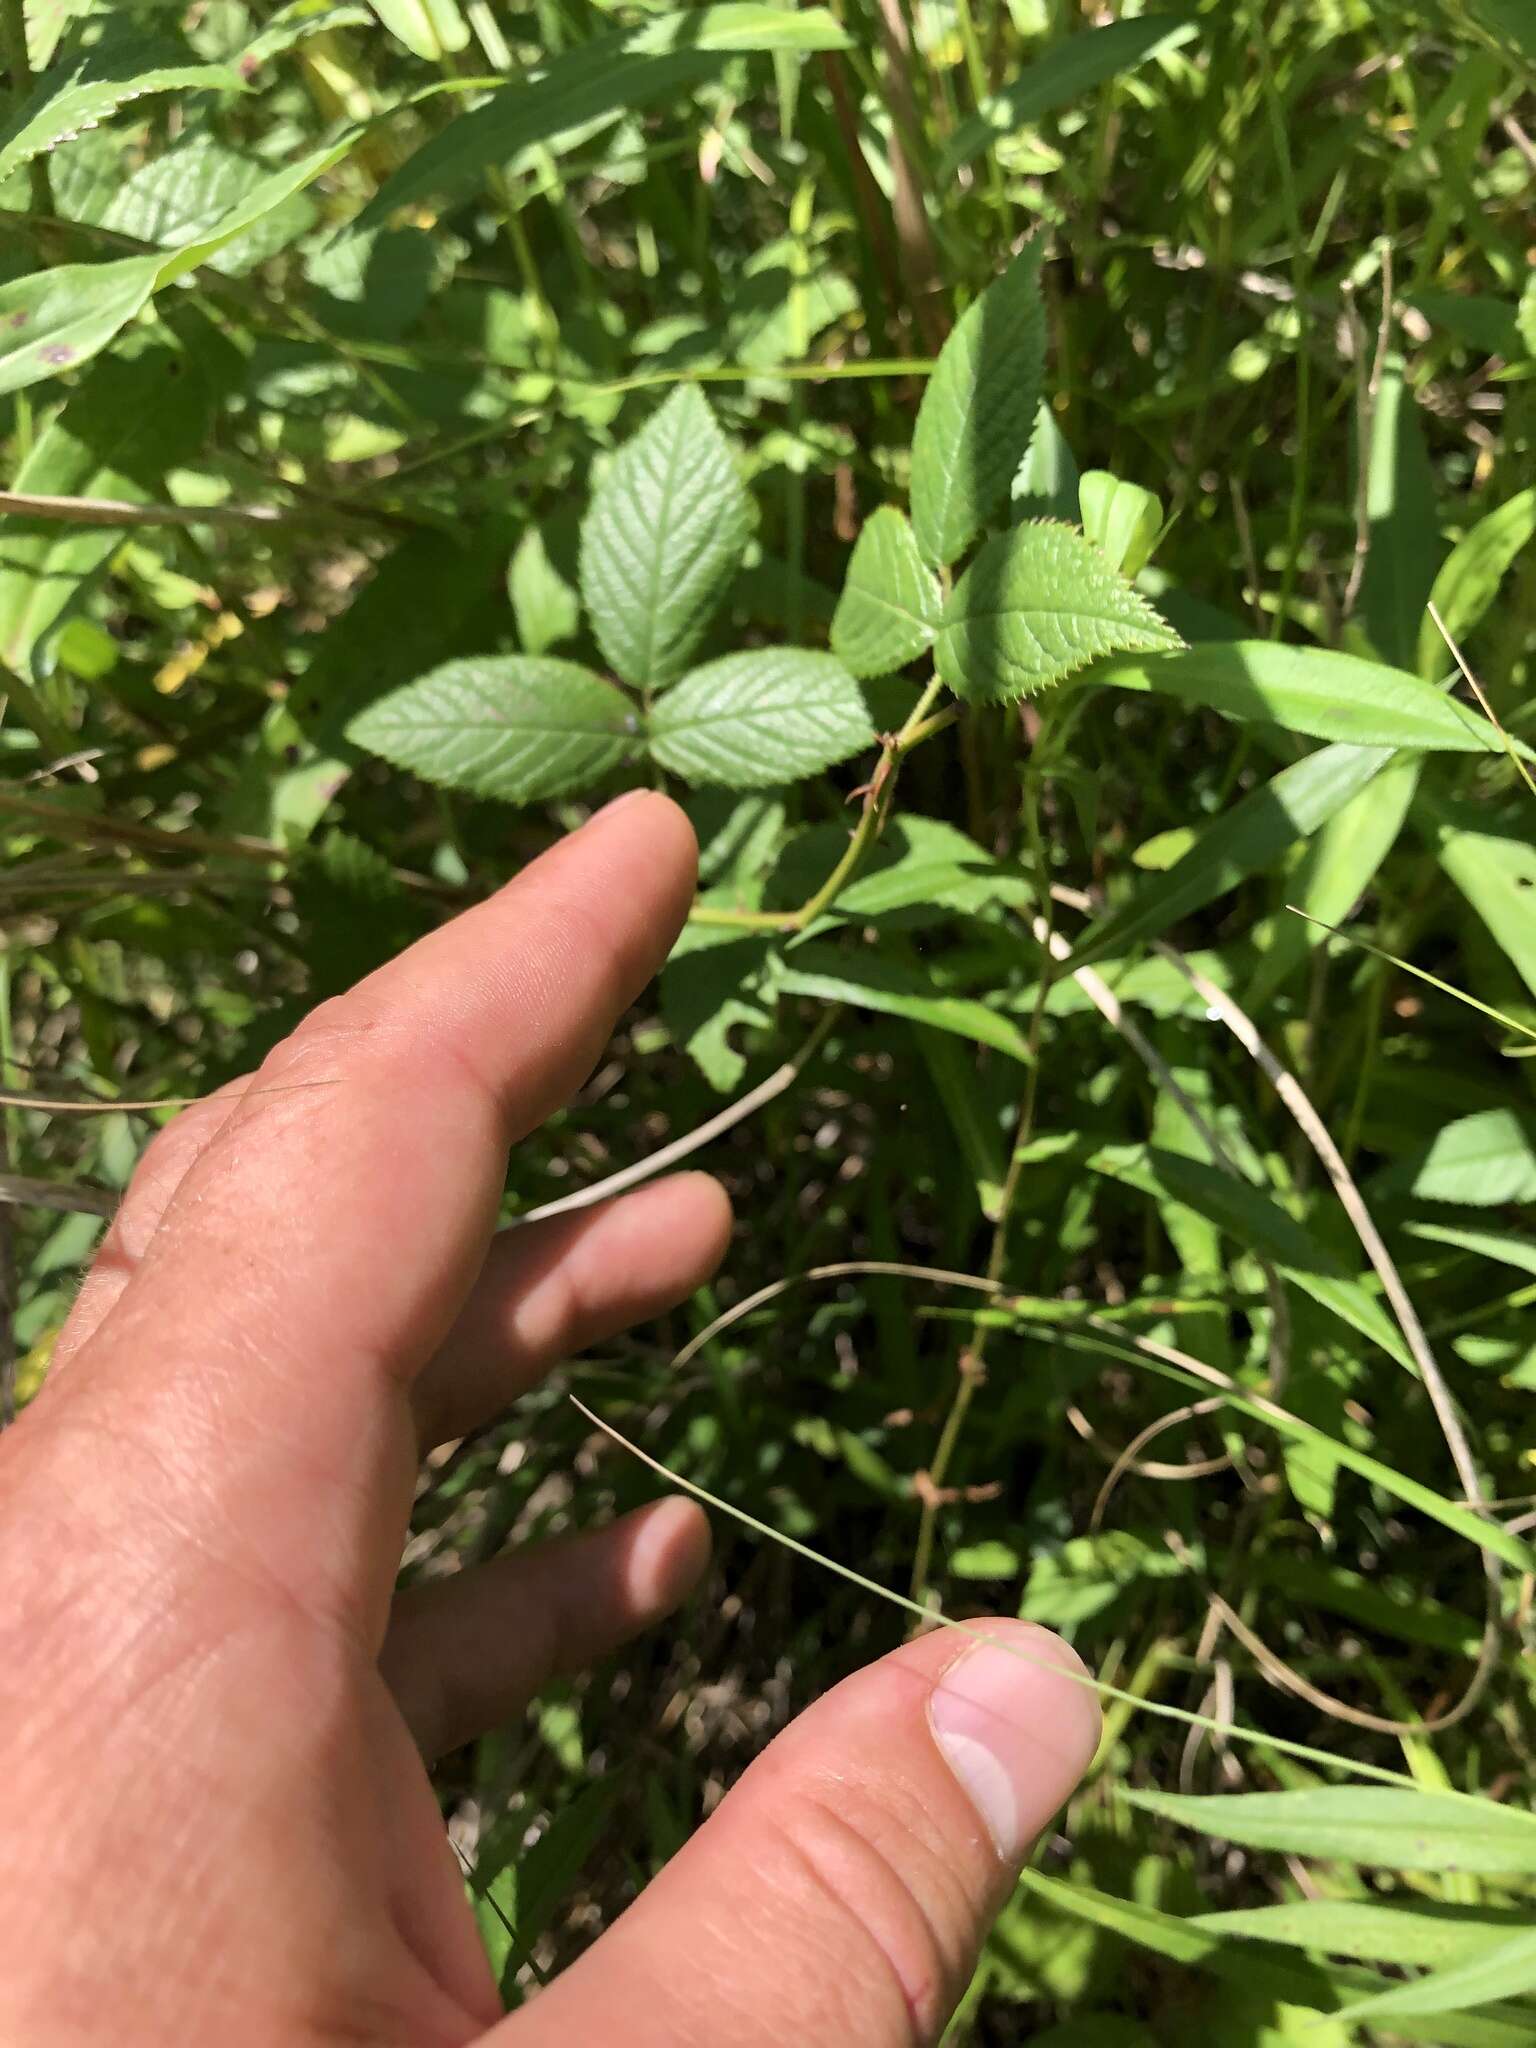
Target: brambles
pixel 551 404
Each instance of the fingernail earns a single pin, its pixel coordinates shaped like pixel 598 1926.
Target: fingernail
pixel 1015 1729
pixel 617 803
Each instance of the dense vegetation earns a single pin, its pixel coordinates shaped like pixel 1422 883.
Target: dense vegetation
pixel 1049 486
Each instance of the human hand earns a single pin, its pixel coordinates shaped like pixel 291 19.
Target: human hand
pixel 215 1823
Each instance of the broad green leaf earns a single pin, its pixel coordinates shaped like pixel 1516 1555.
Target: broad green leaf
pixel 185 194
pixel 543 603
pixel 1404 548
pixel 1483 1160
pixel 87 90
pixel 1503 1972
pixel 869 982
pixel 1252 1219
pixel 1487 1535
pixel 1339 866
pixel 1424 1933
pixel 1122 520
pixel 1074 67
pixel 768 715
pixel 889 610
pixel 1313 691
pixel 59 318
pixel 1290 806
pixel 430 29
pixel 1036 605
pixel 1496 872
pixel 920 866
pixel 1192 1943
pixel 133 417
pixel 1046 486
pixel 516 726
pixel 978 411
pixel 663 536
pixel 1519 1252
pixel 658 60
pixel 1470 576
pixel 1375 1825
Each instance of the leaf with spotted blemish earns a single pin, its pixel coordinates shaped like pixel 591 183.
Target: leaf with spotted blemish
pixel 57 319
pixel 1036 605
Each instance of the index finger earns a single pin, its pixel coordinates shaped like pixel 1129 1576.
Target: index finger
pixel 325 1238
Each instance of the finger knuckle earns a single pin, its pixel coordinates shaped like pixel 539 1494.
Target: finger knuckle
pixel 904 1910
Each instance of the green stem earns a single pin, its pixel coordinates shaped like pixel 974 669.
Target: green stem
pixel 54 738
pixel 919 726
pixel 971 1367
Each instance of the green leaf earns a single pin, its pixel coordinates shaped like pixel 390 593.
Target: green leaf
pixel 543 603
pixel 1338 869
pixel 1290 806
pixel 1507 1250
pixel 1064 74
pixel 978 411
pixel 516 726
pixel 1375 1825
pixel 663 536
pixel 1191 1942
pixel 132 418
pixel 1310 690
pixel 1122 520
pixel 1422 1933
pixel 658 60
pixel 769 715
pixel 1404 549
pixel 1483 1160
pixel 87 90
pixel 1504 1972
pixel 184 195
pixel 830 975
pixel 430 29
pixel 1470 576
pixel 59 318
pixel 1046 486
pixel 1496 872
pixel 1036 605
pixel 889 610
pixel 920 866
pixel 988 1560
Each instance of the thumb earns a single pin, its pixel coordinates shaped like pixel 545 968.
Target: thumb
pixel 839 1896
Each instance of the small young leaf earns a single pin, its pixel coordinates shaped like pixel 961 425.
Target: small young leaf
pixel 1368 1824
pixel 83 92
pixel 769 715
pixel 889 609
pixel 1036 605
pixel 543 603
pixel 516 726
pixel 663 536
pixel 430 29
pixel 1121 519
pixel 978 412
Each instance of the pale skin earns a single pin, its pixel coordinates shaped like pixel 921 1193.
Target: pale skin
pixel 216 1823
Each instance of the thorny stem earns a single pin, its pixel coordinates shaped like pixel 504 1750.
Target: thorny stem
pixel 919 726
pixel 971 1369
